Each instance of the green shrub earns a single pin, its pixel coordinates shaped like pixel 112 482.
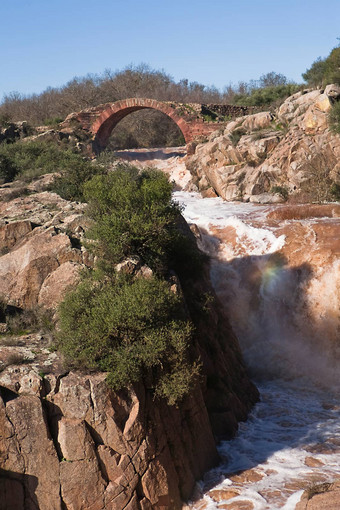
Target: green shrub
pixel 266 96
pixel 281 190
pixel 334 117
pixel 74 173
pixel 210 117
pixel 53 121
pixel 324 71
pixel 132 329
pixel 34 158
pixel 332 72
pixel 8 169
pixel 314 75
pixel 106 158
pixel 134 214
pixel 28 160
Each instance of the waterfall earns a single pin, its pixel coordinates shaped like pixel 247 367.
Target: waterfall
pixel 280 284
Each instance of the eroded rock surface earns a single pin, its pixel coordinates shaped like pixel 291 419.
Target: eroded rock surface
pixel 65 438
pixel 260 151
pixel 40 249
pixel 323 496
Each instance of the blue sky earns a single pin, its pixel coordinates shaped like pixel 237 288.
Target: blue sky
pixel 217 42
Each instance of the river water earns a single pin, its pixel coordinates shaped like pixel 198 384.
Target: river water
pixel 285 313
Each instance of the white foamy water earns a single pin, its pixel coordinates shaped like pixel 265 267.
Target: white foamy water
pixel 214 212
pixel 291 429
pixel 292 437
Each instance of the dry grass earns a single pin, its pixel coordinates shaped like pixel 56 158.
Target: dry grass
pixel 304 211
pixel 29 321
pixel 317 489
pixel 9 341
pixel 16 358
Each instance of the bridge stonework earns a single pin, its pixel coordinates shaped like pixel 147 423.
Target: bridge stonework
pixel 193 119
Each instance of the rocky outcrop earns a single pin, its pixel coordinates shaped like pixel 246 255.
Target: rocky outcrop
pixel 325 496
pixel 89 448
pixel 12 131
pixel 40 246
pixel 67 440
pixel 260 151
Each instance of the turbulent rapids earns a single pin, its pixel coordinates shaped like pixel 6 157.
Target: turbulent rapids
pixel 286 315
pixel 276 270
pixel 280 282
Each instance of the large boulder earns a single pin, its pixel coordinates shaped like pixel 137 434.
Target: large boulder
pixel 325 496
pixel 24 270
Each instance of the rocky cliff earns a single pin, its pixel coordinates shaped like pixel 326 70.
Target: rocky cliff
pixel 256 153
pixel 66 440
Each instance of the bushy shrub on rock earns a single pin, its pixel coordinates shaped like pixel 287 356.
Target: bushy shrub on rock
pixel 8 169
pixel 130 328
pixel 128 325
pixel 134 214
pixel 334 117
pixel 324 71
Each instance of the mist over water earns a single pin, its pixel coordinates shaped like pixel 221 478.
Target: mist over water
pixel 286 316
pixel 268 305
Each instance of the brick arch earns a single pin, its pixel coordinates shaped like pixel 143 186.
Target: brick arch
pixel 115 112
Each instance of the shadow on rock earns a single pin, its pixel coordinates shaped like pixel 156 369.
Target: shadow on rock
pixel 17 491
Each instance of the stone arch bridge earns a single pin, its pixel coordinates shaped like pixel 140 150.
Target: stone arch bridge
pixel 193 119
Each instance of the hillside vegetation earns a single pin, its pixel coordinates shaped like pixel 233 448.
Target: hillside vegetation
pixel 27 161
pixel 324 71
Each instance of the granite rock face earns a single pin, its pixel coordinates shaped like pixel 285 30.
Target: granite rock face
pixel 260 151
pixel 68 441
pixel 73 442
pixel 40 249
pixel 324 496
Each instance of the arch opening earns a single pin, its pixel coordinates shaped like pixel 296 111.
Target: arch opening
pixel 143 130
pixel 113 115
